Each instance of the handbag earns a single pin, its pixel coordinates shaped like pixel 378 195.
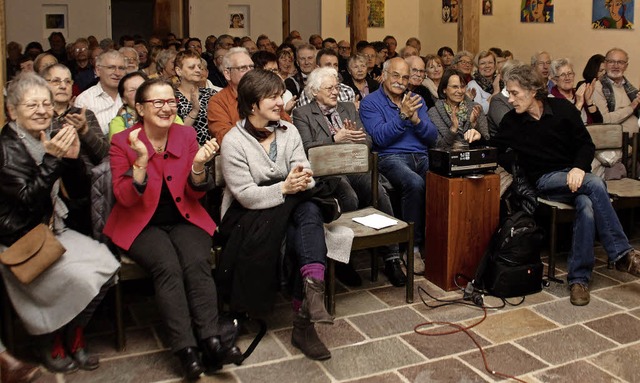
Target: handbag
pixel 32 254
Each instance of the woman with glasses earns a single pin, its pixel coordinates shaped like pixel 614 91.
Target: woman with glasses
pixel 358 80
pixel 192 99
pixel 459 120
pixel 159 174
pixel 486 82
pixel 463 62
pixel 564 77
pixel 34 166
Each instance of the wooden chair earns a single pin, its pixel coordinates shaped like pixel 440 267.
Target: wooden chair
pixel 624 192
pixel 341 159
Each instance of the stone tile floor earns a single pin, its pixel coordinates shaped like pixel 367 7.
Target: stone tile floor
pixel 545 339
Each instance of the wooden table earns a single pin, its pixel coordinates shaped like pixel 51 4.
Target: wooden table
pixel 461 215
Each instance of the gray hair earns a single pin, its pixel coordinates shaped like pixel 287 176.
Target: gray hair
pixel 314 81
pixel 534 58
pixel 46 72
pixel 557 64
pixel 226 60
pixel 357 57
pixel 124 50
pixel 458 57
pixel 507 66
pixel 110 54
pixel 38 61
pixel 23 83
pixel 163 58
pixel 529 79
pixel 617 50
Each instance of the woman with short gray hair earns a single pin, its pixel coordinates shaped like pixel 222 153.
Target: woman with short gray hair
pixel 564 78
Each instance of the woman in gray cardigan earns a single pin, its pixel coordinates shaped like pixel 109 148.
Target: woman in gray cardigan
pixel 265 168
pixel 457 118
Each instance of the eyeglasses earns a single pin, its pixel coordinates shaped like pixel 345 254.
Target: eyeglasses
pixel 33 106
pixel 241 69
pixel 59 81
pixel 81 49
pixel 331 89
pixel 343 48
pixel 465 62
pixel 131 59
pixel 274 70
pixel 395 76
pixel 159 103
pixel 369 56
pixel 616 62
pixel 566 75
pixel 418 71
pixel 113 68
pixel 543 63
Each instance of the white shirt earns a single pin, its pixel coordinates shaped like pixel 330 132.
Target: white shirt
pixel 101 104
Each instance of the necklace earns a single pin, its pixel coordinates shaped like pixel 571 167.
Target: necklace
pixel 159 148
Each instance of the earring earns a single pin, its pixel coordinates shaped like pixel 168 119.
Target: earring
pixel 252 110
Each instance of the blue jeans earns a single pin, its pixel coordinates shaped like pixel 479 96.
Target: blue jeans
pixel 306 234
pixel 593 211
pixel 407 173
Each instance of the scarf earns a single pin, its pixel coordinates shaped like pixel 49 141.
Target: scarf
pixel 35 148
pixel 332 117
pixel 557 94
pixel 462 114
pixel 607 91
pixel 485 83
pixel 128 115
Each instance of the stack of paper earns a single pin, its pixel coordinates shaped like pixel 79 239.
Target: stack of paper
pixel 375 221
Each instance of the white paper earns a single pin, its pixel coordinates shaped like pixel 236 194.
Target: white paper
pixel 375 221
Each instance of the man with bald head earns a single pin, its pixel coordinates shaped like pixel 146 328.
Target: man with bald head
pixel 417 73
pixel 402 133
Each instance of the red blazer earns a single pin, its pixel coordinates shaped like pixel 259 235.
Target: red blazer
pixel 133 211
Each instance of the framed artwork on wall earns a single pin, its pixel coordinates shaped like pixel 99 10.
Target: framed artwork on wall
pixel 487 7
pixel 55 19
pixel 375 13
pixel 238 19
pixel 450 10
pixel 612 14
pixel 536 11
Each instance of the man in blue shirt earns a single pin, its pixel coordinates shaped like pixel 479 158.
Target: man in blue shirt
pixel 402 132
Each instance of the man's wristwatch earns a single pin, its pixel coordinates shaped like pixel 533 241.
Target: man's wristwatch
pixel 403 116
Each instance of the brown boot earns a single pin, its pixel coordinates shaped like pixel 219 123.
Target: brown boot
pixel 630 263
pixel 14 371
pixel 305 338
pixel 313 303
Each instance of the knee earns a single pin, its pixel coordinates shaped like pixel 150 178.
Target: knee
pixel 164 271
pixel 594 183
pixel 414 183
pixel 308 213
pixel 584 206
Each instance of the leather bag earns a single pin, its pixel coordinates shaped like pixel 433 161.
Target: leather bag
pixel 32 254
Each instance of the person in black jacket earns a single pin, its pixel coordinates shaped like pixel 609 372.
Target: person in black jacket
pixel 555 150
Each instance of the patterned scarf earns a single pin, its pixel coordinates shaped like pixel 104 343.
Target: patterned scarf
pixel 128 115
pixel 332 117
pixel 485 83
pixel 462 114
pixel 607 91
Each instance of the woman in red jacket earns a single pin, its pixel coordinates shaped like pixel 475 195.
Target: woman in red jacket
pixel 159 174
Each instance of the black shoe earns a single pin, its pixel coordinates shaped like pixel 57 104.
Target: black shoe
pixel 190 362
pixel 212 353
pixel 85 361
pixel 348 275
pixel 393 271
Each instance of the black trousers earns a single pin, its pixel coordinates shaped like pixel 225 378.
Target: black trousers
pixel 176 257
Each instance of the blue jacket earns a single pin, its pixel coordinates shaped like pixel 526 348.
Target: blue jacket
pixel 390 134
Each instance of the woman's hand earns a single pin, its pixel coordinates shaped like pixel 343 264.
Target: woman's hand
pixel 496 84
pixel 78 120
pixel 580 99
pixel 472 135
pixel 588 92
pixel 205 154
pixel 574 179
pixel 64 144
pixel 139 147
pixel 297 180
pixel 475 113
pixel 288 107
pixel 471 93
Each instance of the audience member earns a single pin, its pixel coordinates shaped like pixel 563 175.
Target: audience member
pixel 329 58
pixel 417 75
pixel 435 70
pixel 358 80
pixel 392 44
pixel 486 82
pixel 563 75
pixel 541 61
pixel 306 60
pixel 446 54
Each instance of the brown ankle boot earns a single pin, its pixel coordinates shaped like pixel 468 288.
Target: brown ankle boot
pixel 14 371
pixel 305 338
pixel 313 303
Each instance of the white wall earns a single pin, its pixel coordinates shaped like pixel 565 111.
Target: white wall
pixel 305 17
pixel 25 23
pixel 401 20
pixel 211 17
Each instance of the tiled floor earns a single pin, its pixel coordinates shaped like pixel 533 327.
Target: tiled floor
pixel 545 339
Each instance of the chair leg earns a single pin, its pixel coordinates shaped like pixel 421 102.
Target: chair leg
pixel 330 285
pixel 551 273
pixel 120 336
pixel 374 265
pixel 409 292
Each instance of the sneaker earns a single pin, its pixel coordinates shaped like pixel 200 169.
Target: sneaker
pixel 418 262
pixel 579 294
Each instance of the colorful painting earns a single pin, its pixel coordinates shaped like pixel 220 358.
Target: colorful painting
pixel 375 13
pixel 487 7
pixel 536 11
pixel 450 11
pixel 612 14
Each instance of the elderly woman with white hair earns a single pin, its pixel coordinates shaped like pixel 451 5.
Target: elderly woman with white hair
pixel 463 61
pixel 564 78
pixel 34 165
pixel 328 121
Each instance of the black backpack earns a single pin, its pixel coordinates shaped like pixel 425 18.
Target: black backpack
pixel 511 266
